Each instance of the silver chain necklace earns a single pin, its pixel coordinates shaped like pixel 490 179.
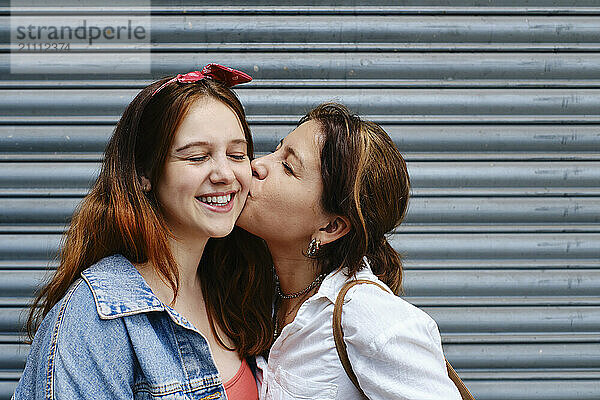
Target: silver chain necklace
pixel 307 289
pixel 281 295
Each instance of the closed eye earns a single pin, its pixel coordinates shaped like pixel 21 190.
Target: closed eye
pixel 239 157
pixel 198 159
pixel 287 167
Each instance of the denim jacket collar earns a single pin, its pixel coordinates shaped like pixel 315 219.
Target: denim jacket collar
pixel 119 289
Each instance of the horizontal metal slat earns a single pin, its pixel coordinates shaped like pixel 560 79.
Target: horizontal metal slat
pixel 12 321
pixel 459 284
pixel 492 283
pixel 436 176
pixel 551 10
pixel 359 30
pixel 571 247
pixel 496 246
pixel 30 248
pixel 37 211
pixel 48 176
pixel 20 284
pixel 554 356
pixel 54 139
pixel 408 138
pixel 474 264
pixel 535 389
pixel 504 301
pixel 499 210
pixel 408 264
pixel 431 142
pixel 458 178
pixel 272 105
pixel 441 213
pixel 7 388
pixel 381 69
pixel 520 337
pixel 13 356
pixel 516 319
pixel 477 324
pixel 281 33
pixel 558 356
pixel 557 389
pixel 501 139
pixel 242 5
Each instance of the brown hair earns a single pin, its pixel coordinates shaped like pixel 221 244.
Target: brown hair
pixel 118 217
pixel 364 179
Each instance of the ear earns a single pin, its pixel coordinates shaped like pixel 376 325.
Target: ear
pixel 146 185
pixel 335 229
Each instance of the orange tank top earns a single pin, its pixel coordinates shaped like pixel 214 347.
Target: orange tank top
pixel 243 385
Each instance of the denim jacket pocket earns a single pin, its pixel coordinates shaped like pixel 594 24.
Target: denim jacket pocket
pixel 176 391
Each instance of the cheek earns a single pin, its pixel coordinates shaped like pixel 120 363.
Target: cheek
pixel 243 174
pixel 310 203
pixel 179 181
pixel 293 201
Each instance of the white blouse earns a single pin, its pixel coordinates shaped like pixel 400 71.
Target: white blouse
pixel 394 348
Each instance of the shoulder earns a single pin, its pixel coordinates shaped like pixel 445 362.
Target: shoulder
pixel 374 316
pixel 70 342
pixel 75 319
pixel 74 325
pixel 391 341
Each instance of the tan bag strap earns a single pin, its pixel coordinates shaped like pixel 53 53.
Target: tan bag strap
pixel 340 346
pixel 462 389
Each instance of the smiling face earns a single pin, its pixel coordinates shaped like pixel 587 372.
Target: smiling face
pixel 206 177
pixel 284 204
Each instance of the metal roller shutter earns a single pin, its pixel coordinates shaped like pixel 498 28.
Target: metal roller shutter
pixel 496 106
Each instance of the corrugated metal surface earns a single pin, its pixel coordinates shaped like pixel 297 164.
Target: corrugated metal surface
pixel 495 104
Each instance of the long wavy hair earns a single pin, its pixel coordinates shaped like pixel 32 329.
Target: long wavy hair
pixel 366 180
pixel 118 217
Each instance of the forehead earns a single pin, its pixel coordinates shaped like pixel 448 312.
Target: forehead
pixel 306 139
pixel 209 120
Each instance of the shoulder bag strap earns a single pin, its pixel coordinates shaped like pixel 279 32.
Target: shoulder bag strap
pixel 340 346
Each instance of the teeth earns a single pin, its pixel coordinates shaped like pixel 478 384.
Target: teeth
pixel 220 200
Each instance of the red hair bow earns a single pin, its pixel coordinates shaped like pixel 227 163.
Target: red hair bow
pixel 229 76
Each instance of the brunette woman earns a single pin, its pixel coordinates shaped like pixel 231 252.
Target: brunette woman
pixel 323 202
pixel 146 303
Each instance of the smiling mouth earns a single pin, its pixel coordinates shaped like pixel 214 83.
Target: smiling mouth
pixel 217 201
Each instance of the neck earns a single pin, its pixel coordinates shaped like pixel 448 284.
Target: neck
pixel 187 255
pixel 294 270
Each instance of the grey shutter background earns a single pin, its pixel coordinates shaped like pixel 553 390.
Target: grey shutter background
pixel 495 104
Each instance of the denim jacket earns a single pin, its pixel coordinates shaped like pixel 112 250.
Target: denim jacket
pixel 110 337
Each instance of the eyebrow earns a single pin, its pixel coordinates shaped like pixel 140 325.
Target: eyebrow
pixel 293 152
pixel 201 143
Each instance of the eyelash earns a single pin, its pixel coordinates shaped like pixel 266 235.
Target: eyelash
pixel 287 167
pixel 237 157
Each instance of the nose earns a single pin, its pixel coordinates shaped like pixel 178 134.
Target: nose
pixel 259 169
pixel 222 172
